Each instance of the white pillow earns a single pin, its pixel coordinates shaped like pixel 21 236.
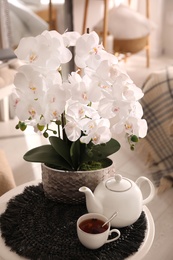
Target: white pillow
pixel 126 23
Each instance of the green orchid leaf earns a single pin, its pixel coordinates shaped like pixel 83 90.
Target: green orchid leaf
pixel 76 151
pixel 46 154
pixel 101 151
pixel 62 148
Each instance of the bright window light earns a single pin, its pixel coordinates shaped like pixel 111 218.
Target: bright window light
pixel 118 2
pixel 45 2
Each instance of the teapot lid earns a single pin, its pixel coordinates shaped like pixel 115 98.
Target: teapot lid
pixel 118 183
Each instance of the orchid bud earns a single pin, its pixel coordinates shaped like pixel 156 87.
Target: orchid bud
pixel 22 126
pixel 17 126
pixel 45 134
pixel 134 138
pixel 40 127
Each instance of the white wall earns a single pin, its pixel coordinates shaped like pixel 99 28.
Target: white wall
pixel 95 13
pixel 168 28
pixel 161 13
pixel 156 17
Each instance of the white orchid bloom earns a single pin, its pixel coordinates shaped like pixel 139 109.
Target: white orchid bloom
pixel 52 77
pixel 55 102
pixel 45 50
pixel 107 72
pixel 110 108
pixel 70 38
pixel 111 79
pixel 136 109
pixel 131 126
pixel 78 111
pixel 72 129
pixel 87 50
pixel 29 82
pixel 84 90
pixel 29 109
pixel 97 131
pixel 59 54
pixel 33 50
pixel 142 127
pixel 74 78
pixel 131 92
pixel 136 126
pixel 89 53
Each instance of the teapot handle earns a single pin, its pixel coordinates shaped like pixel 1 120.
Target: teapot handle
pixel 139 181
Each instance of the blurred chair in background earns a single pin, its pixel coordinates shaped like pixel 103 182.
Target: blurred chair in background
pixel 129 29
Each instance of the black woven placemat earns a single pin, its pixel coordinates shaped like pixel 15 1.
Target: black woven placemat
pixel 40 229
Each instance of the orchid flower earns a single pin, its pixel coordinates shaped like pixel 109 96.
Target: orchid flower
pixel 84 89
pixel 94 103
pixel 96 131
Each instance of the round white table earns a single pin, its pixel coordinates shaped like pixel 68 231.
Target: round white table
pixel 6 254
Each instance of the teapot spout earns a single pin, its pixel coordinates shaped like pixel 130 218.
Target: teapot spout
pixel 92 203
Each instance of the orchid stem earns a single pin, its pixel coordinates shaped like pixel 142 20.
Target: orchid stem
pixel 59 133
pixel 63 120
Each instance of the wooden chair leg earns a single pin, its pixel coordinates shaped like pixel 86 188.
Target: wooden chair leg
pixel 148 53
pixel 105 21
pixel 129 2
pixel 50 15
pixel 85 16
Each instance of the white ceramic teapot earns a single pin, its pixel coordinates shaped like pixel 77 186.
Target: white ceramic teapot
pixel 121 195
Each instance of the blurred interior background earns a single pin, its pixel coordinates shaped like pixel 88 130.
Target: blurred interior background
pixel 139 32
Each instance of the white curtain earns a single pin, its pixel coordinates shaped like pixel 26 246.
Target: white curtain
pixel 5 30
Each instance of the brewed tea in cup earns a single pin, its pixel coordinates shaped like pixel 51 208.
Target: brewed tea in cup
pixel 93 226
pixel 91 232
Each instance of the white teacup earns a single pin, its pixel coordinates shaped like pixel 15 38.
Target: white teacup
pixel 94 237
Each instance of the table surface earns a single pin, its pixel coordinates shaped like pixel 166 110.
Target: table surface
pixel 6 254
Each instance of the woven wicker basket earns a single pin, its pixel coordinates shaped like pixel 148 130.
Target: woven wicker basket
pixel 63 186
pixel 130 45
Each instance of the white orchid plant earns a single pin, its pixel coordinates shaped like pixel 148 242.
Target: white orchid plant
pixel 89 107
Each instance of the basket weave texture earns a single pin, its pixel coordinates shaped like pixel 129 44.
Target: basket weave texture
pixel 63 186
